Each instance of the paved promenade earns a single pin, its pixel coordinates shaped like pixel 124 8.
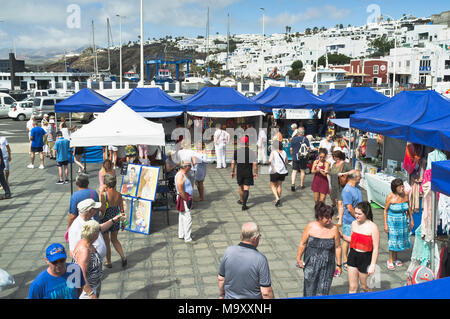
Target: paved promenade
pixel 160 265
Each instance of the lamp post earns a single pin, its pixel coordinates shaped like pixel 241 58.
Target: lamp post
pixel 262 51
pixel 395 55
pixel 120 54
pixel 142 45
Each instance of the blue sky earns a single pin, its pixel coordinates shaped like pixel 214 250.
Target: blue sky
pixel 43 24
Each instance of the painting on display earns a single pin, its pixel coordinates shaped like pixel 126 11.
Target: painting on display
pixel 130 181
pixel 127 208
pixel 148 182
pixel 141 216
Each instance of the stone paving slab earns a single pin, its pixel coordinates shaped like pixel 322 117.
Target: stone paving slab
pixel 160 265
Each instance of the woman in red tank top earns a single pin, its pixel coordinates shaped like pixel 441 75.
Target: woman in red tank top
pixel 364 244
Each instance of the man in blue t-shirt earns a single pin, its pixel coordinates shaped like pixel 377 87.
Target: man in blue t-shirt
pixel 84 192
pixel 37 135
pixel 59 280
pixel 351 196
pixel 62 157
pixel 299 162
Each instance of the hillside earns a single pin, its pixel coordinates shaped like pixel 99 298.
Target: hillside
pixel 130 58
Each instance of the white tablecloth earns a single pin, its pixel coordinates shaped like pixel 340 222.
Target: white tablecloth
pixel 378 187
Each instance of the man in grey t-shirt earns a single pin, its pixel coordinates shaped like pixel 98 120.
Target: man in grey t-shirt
pixel 244 272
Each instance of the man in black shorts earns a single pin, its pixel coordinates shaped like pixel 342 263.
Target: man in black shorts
pixel 245 163
pixel 299 162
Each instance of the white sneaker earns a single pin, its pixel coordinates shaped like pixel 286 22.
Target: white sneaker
pixel 41 167
pixel 30 166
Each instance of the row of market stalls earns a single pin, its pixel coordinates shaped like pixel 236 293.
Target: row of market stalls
pixel 419 118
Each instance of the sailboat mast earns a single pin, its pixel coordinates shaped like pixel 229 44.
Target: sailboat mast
pixel 94 51
pixel 109 44
pixel 207 42
pixel 228 39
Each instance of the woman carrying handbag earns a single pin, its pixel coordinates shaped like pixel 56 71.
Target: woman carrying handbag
pixel 277 169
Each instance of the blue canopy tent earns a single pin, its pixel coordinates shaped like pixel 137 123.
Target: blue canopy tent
pixel 417 116
pixel 289 98
pixel 152 103
pixel 355 99
pixel 85 100
pixel 435 289
pixel 222 102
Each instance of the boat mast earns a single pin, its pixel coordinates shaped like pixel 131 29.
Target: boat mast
pixel 228 40
pixel 207 43
pixel 94 52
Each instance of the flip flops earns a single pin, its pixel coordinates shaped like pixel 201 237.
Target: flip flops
pixel 398 263
pixel 390 266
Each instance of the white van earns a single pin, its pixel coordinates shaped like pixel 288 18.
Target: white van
pixel 6 101
pixel 38 93
pixel 45 105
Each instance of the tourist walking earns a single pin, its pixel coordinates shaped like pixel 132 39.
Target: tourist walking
pixel 6 150
pixel 364 247
pixel 51 138
pixel 200 169
pixel 84 192
pixel 328 144
pixel 320 169
pixel 78 153
pixel 398 222
pixel 53 282
pixel 338 178
pixel 62 158
pixel 112 205
pixel 184 202
pixel 107 168
pixel 37 137
pixel 319 252
pixel 300 148
pixel 243 271
pixel 3 182
pixel 262 146
pixel 86 256
pixel 277 169
pixel 351 196
pixel 245 167
pixel 221 139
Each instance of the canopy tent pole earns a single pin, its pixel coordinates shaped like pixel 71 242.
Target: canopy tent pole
pixel 433 228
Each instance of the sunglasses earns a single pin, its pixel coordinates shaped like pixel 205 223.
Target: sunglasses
pixel 59 261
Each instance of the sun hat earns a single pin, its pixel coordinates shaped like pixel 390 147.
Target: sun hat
pixel 88 204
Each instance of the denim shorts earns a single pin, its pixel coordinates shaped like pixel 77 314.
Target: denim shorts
pixel 347 229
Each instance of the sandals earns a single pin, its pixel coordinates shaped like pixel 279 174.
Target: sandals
pixel 107 265
pixel 398 263
pixel 390 266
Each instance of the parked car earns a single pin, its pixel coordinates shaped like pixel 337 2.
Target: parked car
pixel 46 105
pixel 6 101
pixel 21 110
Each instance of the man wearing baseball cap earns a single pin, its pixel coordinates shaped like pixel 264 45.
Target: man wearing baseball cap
pixel 59 280
pixel 245 162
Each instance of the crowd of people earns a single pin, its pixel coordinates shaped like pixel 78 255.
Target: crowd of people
pixel 326 249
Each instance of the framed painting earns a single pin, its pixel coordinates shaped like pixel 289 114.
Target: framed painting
pixel 148 182
pixel 130 181
pixel 141 216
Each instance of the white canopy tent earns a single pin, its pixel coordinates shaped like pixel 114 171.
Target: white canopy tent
pixel 119 126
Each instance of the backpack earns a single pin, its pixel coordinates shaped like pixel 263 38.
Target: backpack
pixel 303 150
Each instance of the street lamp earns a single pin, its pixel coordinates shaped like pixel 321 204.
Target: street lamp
pixel 142 45
pixel 262 51
pixel 120 62
pixel 395 50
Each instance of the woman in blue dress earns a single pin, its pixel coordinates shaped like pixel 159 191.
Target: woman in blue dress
pixel 398 222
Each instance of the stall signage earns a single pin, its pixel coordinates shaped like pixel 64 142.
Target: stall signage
pixel 296 114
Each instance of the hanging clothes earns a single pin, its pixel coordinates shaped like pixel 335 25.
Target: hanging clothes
pixel 435 156
pixel 408 160
pixel 416 180
pixel 444 265
pixel 426 224
pixel 444 212
pixel 421 253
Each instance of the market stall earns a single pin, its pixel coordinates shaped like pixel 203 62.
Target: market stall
pixel 226 106
pixel 292 105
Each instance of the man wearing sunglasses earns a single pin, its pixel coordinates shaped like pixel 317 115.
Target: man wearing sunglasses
pixel 59 280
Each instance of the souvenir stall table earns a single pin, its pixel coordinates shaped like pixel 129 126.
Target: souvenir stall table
pixel 226 106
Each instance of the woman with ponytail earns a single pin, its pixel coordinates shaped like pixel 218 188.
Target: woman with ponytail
pixel 320 248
